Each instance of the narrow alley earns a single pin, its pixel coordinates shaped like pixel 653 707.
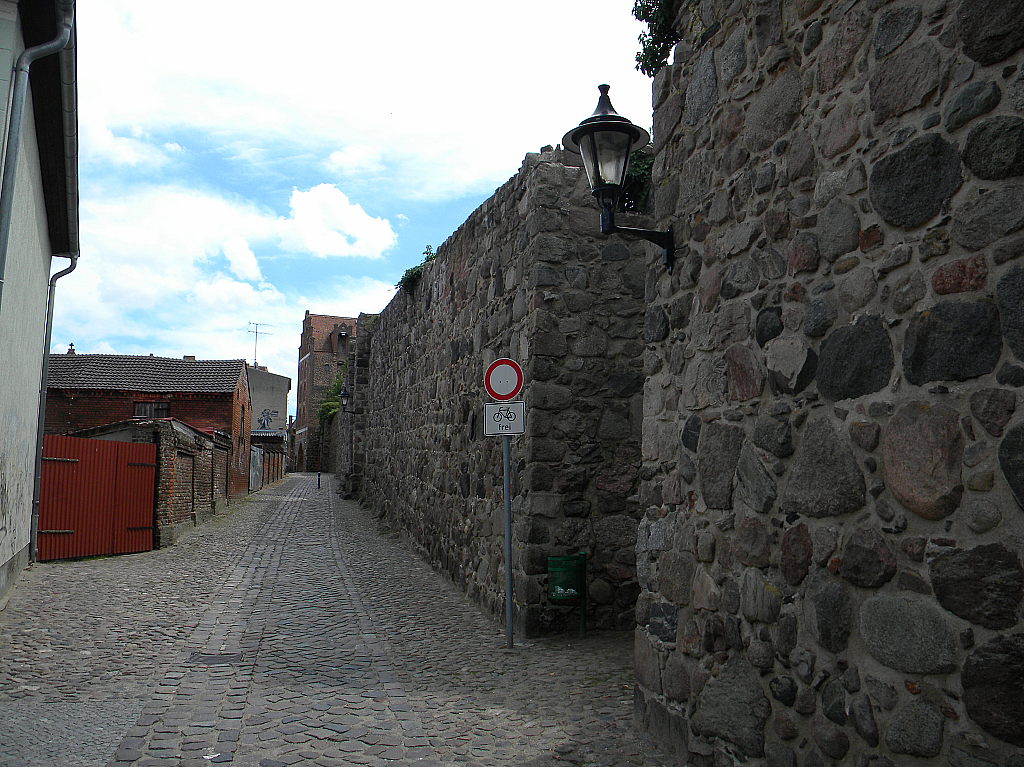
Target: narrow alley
pixel 291 631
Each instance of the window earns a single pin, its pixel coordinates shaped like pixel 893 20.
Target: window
pixel 152 409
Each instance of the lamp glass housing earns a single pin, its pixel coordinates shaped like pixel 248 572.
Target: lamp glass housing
pixel 344 398
pixel 605 141
pixel 605 152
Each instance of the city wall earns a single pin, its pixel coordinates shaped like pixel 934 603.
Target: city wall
pixel 524 277
pixel 833 444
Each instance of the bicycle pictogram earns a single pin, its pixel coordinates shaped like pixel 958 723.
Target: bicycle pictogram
pixel 504 413
pixel 504 419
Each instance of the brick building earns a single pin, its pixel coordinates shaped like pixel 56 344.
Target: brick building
pixel 323 352
pixel 89 390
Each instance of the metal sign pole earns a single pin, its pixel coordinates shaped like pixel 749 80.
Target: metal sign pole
pixel 506 450
pixel 503 380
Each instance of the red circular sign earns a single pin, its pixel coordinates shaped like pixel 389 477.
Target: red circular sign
pixel 503 379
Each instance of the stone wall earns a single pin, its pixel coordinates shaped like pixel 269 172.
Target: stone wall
pixel 348 427
pixel 525 277
pixel 833 450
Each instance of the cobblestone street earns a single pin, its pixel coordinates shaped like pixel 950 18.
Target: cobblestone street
pixel 291 631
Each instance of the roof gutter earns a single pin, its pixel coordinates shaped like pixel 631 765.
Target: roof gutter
pixel 19 95
pixel 69 116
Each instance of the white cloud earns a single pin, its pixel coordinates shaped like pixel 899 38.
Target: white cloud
pixel 325 222
pixel 103 146
pixel 168 229
pixel 242 259
pixel 424 101
pixel 446 112
pixel 354 160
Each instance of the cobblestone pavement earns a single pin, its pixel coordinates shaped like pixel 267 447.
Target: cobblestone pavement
pixel 291 631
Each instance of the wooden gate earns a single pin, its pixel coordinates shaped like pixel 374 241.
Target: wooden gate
pixel 97 497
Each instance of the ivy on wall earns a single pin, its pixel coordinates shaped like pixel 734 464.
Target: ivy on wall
pixel 411 277
pixel 668 22
pixel 636 193
pixel 657 42
pixel 331 402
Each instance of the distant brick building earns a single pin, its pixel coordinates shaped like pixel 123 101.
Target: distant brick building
pixel 323 350
pixel 89 390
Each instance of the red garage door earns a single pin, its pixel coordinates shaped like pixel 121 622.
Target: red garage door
pixel 96 497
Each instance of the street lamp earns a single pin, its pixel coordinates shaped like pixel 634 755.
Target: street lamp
pixel 344 400
pixel 605 140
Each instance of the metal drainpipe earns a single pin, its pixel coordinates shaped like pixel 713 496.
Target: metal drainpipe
pixel 41 419
pixel 19 94
pixel 70 120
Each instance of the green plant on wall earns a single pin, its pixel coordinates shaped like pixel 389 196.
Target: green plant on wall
pixel 411 278
pixel 636 193
pixel 331 403
pixel 657 42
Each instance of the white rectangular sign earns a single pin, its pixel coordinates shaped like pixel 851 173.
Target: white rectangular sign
pixel 504 418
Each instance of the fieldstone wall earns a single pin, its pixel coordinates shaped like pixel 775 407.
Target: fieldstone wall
pixel 528 277
pixel 348 427
pixel 833 447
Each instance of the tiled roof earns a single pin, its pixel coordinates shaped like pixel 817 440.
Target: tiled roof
pixel 150 374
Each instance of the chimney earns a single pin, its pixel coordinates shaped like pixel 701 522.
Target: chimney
pixel 71 348
pixel 189 357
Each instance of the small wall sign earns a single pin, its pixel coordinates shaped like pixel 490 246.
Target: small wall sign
pixel 507 418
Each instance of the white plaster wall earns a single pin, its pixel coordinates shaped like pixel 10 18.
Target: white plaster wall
pixel 22 323
pixel 269 391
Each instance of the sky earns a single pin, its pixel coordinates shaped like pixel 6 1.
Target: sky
pixel 244 162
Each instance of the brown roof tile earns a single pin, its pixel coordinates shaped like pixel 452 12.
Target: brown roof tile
pixel 123 372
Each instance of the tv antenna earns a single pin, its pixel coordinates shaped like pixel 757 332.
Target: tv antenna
pixel 256 341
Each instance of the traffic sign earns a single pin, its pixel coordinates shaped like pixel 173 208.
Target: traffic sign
pixel 503 379
pixel 507 418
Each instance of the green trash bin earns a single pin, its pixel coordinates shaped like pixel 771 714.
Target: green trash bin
pixel 567 582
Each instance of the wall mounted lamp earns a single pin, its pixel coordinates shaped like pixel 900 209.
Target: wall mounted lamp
pixel 344 397
pixel 605 140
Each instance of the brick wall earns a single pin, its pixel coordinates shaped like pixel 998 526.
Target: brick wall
pixel 183 503
pixel 68 411
pixel 203 483
pixel 241 430
pixel 221 460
